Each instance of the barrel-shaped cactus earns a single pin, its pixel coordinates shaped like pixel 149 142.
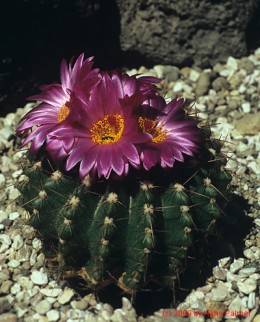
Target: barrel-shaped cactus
pixel 119 185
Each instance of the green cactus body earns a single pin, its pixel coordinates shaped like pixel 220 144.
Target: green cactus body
pixel 126 231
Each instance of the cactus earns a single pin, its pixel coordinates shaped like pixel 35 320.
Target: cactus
pixel 127 224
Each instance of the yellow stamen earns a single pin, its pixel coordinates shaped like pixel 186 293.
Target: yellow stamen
pixel 152 127
pixel 63 113
pixel 108 130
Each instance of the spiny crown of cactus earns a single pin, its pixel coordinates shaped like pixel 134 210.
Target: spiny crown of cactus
pixel 120 184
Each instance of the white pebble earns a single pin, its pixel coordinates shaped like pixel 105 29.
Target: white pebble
pixel 245 272
pixel 9 120
pixel 194 75
pixel 39 278
pixel 17 173
pixel 232 63
pixel 20 311
pixel 200 107
pixel 53 315
pixel 5 239
pixel 237 265
pixel 43 307
pixel 65 296
pixel 255 167
pixel 14 215
pixel 178 87
pixel 221 292
pixel 220 273
pixel 36 243
pixel 249 253
pixel 15 288
pixel 248 286
pixel 33 257
pixel 18 242
pixel 13 193
pixel 202 115
pixel 251 300
pixel 242 147
pixel 159 70
pixel 246 107
pixel 14 263
pixel 51 292
pixel 242 89
pixel 226 72
pixel 235 305
pixel 224 262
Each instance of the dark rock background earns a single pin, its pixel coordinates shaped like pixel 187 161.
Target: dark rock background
pixel 186 32
pixel 36 34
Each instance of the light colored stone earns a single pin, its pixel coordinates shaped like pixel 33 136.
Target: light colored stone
pixel 194 75
pixel 39 318
pixel 178 87
pixel 39 277
pixel 251 301
pixel 220 273
pixel 17 242
pixel 254 166
pixel 200 107
pixel 248 286
pixel 221 292
pixel 242 89
pixel 51 292
pixel 14 263
pixel 232 277
pixel 235 305
pixel 232 63
pixel 4 238
pixel 21 312
pixel 25 282
pixel 75 314
pixel 224 262
pixel 246 107
pixel 81 304
pixel 43 307
pixel 53 315
pixel 36 243
pixel 14 215
pixel 65 296
pixel 13 193
pixel 237 265
pixel 249 253
pixel 15 288
pixel 245 272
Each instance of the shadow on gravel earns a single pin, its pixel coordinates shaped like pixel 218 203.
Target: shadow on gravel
pixel 228 242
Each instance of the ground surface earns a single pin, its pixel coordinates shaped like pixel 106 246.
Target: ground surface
pixel 226 95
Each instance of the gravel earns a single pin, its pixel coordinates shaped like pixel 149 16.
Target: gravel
pixel 228 97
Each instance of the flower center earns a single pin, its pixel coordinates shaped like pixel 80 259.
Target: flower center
pixel 152 127
pixel 62 113
pixel 108 130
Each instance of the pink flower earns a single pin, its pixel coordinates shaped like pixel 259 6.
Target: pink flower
pixel 105 131
pixel 172 135
pixel 78 78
